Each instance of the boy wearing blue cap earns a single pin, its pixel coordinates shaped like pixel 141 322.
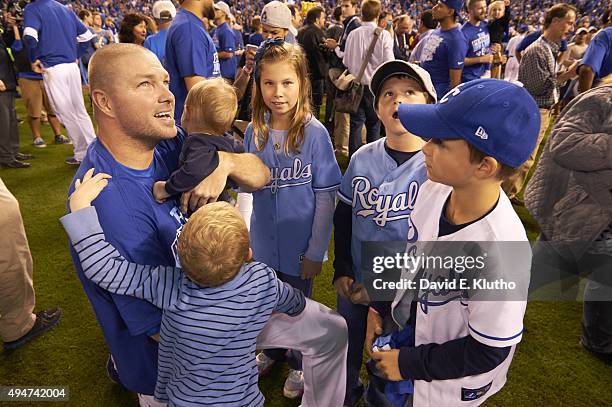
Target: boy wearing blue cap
pixel 463 346
pixel 444 52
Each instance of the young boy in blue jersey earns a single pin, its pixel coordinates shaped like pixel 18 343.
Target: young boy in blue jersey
pixel 380 174
pixel 463 342
pixel 213 308
pixel 209 112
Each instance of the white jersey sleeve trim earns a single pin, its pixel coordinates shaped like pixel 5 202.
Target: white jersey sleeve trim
pixel 344 198
pixel 31 32
pixel 86 36
pixel 328 188
pixel 494 340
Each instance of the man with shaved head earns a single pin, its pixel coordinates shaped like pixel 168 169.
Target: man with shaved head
pixel 138 144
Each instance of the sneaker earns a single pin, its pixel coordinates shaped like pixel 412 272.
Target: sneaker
pixel 45 321
pixel 60 139
pixel 39 142
pixel 264 363
pixel 23 156
pixel 294 385
pixel 72 161
pixel 15 164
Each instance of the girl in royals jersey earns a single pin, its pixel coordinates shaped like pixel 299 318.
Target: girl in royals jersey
pixel 292 216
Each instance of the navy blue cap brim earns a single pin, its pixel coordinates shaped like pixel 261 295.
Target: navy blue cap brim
pixel 425 122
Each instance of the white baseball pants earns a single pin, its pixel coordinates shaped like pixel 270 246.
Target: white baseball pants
pixel 320 335
pixel 63 86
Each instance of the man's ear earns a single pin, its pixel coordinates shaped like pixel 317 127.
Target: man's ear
pixel 102 102
pixel 488 168
pixel 250 255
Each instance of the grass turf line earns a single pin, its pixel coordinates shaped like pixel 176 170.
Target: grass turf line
pixel 550 368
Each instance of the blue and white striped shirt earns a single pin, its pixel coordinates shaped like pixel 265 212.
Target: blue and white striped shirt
pixel 208 334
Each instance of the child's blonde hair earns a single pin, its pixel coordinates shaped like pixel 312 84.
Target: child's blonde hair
pixel 214 244
pixel 294 56
pixel 499 4
pixel 212 104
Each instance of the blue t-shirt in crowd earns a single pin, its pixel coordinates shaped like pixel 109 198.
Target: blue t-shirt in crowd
pixel 53 30
pixel 145 232
pixel 239 41
pixel 189 52
pixel 444 50
pixel 478 41
pixel 255 39
pixel 156 43
pixel 599 54
pixel 225 41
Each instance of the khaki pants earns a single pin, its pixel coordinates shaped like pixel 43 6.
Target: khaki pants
pixel 515 184
pixel 341 132
pixel 16 290
pixel 35 97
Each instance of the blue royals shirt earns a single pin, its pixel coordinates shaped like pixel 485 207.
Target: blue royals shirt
pixel 283 210
pixel 443 51
pixel 56 29
pixel 225 40
pixel 145 232
pixel 478 41
pixel 599 54
pixel 382 196
pixel 189 52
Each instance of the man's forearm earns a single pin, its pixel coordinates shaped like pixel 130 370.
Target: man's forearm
pixel 247 170
pixel 586 78
pixel 241 83
pixel 190 81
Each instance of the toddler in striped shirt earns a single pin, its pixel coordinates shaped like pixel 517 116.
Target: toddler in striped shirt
pixel 213 307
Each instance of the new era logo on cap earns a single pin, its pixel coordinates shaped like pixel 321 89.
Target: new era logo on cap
pixel 506 110
pixel 480 132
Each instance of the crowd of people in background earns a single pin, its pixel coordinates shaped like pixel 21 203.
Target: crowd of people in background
pixel 309 81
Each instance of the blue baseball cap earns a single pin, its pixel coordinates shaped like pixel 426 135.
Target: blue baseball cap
pixel 496 117
pixel 456 5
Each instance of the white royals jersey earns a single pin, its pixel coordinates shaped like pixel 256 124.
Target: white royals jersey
pixel 439 320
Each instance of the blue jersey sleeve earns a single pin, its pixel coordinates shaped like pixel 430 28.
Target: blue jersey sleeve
pixel 78 24
pixel 345 193
pixel 103 264
pixel 457 52
pixel 326 175
pixel 290 301
pixel 596 53
pixel 191 52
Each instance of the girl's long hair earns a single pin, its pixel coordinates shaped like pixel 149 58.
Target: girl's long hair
pixel 294 55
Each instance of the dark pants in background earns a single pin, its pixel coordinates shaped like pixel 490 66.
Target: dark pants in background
pixel 364 115
pixel 318 90
pixel 9 133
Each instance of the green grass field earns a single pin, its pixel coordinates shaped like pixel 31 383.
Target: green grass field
pixel 550 368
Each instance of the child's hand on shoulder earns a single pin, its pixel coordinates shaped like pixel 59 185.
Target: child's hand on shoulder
pixel 159 191
pixel 88 189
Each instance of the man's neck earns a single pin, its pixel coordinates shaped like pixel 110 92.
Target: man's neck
pixel 126 151
pixel 470 203
pixel 194 8
pixel 552 36
pixel 475 22
pixel 447 24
